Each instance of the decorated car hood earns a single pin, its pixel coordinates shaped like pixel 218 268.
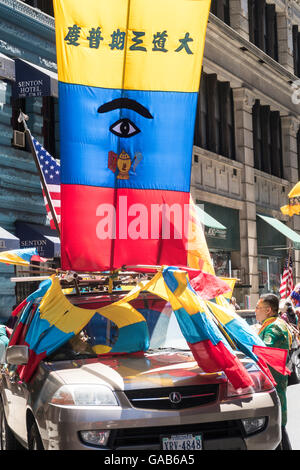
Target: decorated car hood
pixel 136 371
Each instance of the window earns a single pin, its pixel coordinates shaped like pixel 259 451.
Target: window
pixel 267 141
pixel 44 5
pixel 50 122
pixel 24 289
pixel 222 263
pixel 220 8
pixel 269 270
pixel 263 26
pixel 48 112
pixel 296 50
pixel 214 128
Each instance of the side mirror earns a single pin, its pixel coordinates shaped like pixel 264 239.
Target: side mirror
pixel 17 355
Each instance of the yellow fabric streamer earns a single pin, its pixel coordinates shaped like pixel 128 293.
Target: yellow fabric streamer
pixel 58 311
pixel 231 282
pixel 198 252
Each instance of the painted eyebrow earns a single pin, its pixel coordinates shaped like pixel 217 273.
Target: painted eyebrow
pixel 125 103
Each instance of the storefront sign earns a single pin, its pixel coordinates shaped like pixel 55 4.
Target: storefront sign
pixel 215 233
pixel 30 81
pixel 40 245
pixel 40 237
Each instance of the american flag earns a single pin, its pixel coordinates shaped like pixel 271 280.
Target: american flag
pixel 287 284
pixel 51 171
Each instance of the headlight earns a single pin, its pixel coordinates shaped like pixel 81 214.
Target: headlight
pixel 261 384
pixel 84 395
pixel 95 438
pixel 254 425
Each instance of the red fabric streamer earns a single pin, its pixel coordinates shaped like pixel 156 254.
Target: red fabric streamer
pixel 274 357
pixel 209 286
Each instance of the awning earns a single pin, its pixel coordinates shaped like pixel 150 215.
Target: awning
pixel 213 228
pixel 42 237
pixel 33 80
pixel 283 229
pixel 7 68
pixel 208 220
pixel 8 241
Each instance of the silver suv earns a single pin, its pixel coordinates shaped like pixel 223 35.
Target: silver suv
pixel 158 400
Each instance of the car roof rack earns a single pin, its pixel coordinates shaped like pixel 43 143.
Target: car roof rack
pixel 88 282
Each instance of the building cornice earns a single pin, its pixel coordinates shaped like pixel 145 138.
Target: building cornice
pixel 237 60
pixel 215 24
pixel 24 14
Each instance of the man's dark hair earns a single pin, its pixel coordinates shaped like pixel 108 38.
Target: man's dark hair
pixel 272 300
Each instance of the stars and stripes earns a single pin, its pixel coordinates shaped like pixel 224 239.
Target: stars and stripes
pixel 287 283
pixel 51 171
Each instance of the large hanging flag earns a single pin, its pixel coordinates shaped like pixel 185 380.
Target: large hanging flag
pixel 129 73
pixel 287 283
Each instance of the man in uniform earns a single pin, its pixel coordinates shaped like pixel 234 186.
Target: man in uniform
pixel 275 334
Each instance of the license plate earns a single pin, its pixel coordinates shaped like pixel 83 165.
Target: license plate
pixel 182 442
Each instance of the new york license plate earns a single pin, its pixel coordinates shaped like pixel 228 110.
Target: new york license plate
pixel 182 442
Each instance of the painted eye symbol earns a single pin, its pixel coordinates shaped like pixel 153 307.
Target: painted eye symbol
pixel 124 128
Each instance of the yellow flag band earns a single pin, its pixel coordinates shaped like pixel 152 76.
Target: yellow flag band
pixel 108 43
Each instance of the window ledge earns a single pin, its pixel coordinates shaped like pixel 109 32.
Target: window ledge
pixel 248 47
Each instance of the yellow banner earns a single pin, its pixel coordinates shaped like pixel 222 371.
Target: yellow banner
pixel 107 43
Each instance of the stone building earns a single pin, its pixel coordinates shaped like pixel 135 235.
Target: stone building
pixel 247 141
pixel 26 34
pixel 246 153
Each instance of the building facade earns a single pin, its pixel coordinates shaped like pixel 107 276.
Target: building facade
pixel 247 141
pixel 26 33
pixel 246 153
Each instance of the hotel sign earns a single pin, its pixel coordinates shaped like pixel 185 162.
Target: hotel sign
pixel 30 81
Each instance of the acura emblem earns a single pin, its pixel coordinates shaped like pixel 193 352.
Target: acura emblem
pixel 175 398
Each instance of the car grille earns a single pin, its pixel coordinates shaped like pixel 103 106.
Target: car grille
pixel 150 436
pixel 173 398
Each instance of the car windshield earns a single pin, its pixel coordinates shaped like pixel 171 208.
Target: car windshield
pixel 164 333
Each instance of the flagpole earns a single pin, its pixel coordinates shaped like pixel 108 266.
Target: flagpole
pixel 44 186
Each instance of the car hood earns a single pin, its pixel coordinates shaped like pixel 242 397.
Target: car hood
pixel 136 371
